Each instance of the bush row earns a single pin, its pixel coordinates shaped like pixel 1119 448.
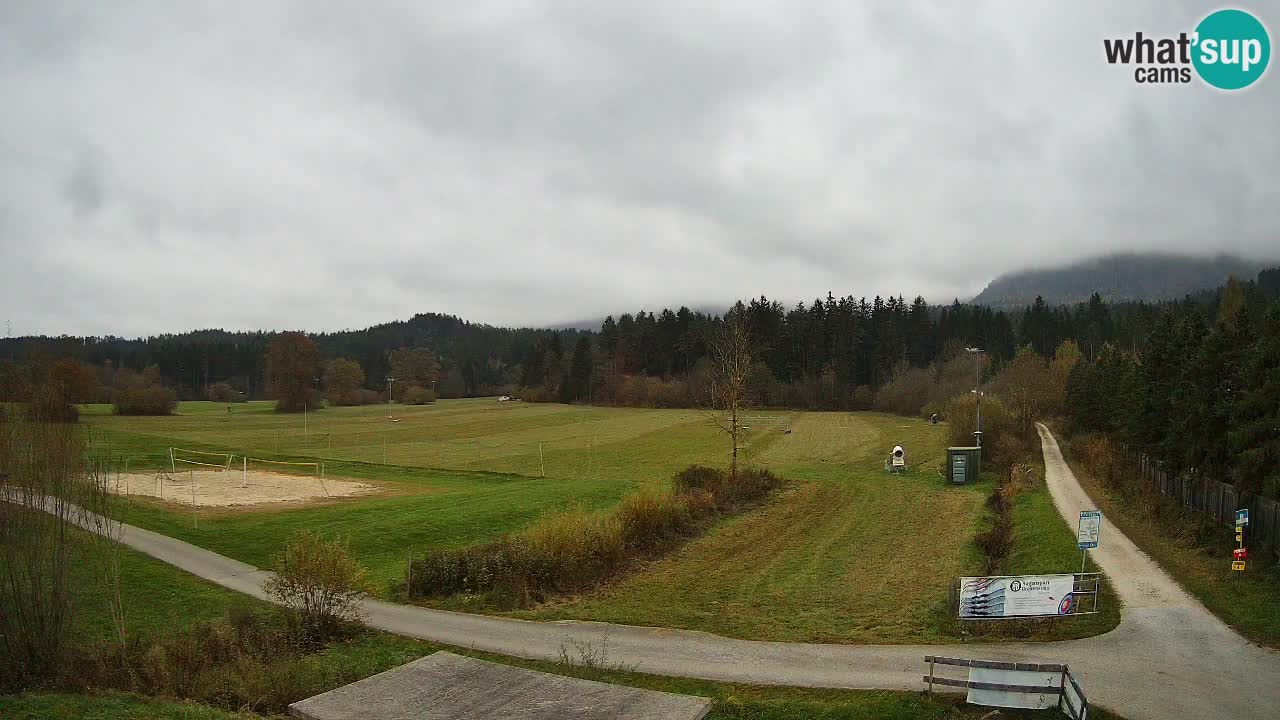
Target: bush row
pixel 144 400
pixel 248 661
pixel 576 550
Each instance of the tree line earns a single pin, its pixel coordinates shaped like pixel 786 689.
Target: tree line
pixel 1201 395
pixel 831 353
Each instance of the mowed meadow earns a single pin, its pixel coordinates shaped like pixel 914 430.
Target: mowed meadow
pixel 844 553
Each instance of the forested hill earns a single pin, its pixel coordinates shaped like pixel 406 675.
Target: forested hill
pixel 1149 277
pixel 832 353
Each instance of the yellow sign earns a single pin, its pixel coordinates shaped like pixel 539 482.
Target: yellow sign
pixel 1239 528
pixel 1237 565
pixel 1239 537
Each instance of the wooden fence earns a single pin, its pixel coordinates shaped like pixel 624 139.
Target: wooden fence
pixel 1071 698
pixel 1218 500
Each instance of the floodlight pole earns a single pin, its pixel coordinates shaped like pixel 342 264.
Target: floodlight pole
pixel 977 390
pixel 390 380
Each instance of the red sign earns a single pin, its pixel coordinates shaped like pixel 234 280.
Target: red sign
pixel 1240 554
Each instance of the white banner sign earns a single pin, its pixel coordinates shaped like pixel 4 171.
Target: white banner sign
pixel 1050 681
pixel 1016 596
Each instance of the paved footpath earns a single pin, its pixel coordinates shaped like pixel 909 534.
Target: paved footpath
pixel 1169 658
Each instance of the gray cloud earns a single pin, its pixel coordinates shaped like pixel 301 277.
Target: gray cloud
pixel 325 165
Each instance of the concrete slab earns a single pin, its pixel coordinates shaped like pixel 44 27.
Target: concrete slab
pixel 445 686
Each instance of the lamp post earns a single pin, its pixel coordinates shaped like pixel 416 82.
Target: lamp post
pixel 977 390
pixel 390 380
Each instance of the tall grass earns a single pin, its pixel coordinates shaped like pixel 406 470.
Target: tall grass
pixel 576 550
pixel 247 661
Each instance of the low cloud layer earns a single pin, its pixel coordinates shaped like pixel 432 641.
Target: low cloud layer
pixel 320 165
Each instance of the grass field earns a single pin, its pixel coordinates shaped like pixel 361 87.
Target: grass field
pixel 187 598
pixel 845 554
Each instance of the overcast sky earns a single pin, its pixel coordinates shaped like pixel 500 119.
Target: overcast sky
pixel 322 165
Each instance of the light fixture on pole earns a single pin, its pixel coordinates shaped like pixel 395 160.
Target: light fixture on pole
pixel 977 390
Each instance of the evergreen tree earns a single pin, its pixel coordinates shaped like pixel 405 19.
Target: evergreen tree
pixel 1209 393
pixel 580 370
pixel 1255 434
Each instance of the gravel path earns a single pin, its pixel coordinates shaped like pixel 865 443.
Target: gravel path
pixel 1169 658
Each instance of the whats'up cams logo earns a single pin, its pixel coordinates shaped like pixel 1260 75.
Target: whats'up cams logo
pixel 1229 50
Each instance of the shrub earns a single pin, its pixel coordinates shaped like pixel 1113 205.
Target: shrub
pixel 48 405
pixel 752 485
pixel 575 550
pixel 537 395
pixel 224 393
pixel 247 661
pixel 320 581
pixel 699 477
pixel 997 541
pixel 651 518
pixel 418 395
pixel 996 424
pixel 358 396
pixel 41 463
pixel 149 400
pixel 572 550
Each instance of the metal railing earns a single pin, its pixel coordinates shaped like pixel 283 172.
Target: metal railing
pixel 1085 584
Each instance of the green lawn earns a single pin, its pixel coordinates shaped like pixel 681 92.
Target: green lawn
pixel 186 598
pixel 845 553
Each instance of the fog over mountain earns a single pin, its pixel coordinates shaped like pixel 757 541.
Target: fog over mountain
pixel 1125 276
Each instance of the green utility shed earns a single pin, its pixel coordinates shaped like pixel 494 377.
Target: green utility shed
pixel 963 464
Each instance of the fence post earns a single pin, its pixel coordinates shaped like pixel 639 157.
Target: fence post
pixel 408 576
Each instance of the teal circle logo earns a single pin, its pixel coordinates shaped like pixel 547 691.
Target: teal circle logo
pixel 1232 49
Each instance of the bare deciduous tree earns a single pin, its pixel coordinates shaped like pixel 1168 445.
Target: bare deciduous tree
pixel 50 488
pixel 730 355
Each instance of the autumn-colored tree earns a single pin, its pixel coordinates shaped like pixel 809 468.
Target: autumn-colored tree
pixel 1064 361
pixel 413 366
pixel 293 359
pixel 223 392
pixel 142 393
pixel 1024 387
pixel 1233 300
pixel 343 379
pixel 72 381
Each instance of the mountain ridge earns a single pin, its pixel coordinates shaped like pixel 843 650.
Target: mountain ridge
pixel 1118 277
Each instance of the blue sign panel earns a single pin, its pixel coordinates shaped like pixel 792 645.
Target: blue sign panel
pixel 1090 530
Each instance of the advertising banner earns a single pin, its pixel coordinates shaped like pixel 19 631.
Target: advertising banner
pixel 1016 596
